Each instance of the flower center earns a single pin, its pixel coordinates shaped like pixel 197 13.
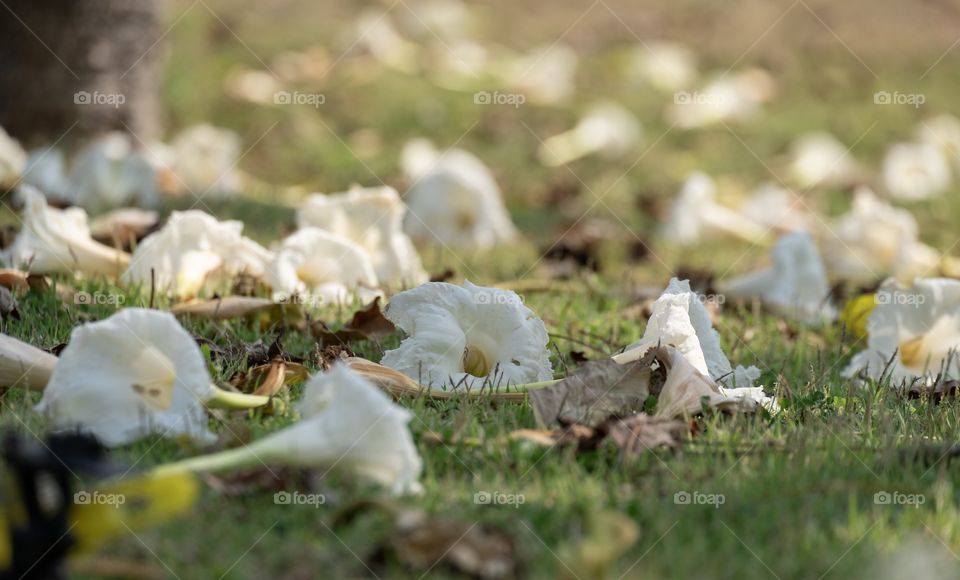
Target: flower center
pixel 926 353
pixel 478 358
pixel 155 376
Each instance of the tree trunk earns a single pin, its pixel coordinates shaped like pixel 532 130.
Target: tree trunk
pixel 90 62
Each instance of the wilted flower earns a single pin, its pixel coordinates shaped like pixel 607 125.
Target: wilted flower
pixel 47 171
pixel 372 218
pixel 666 66
pixel 191 248
pixel 820 159
pixel 467 337
pixel 13 160
pixel 110 172
pixel 913 334
pixel 54 240
pixel 134 374
pixel 316 264
pixel 875 239
pixel 454 199
pixel 695 215
pixel 777 208
pixel 914 171
pixel 795 285
pixel 346 424
pixel 607 128
pixel 205 160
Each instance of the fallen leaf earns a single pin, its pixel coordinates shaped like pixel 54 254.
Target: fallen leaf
pixel 123 227
pixel 14 280
pixel 262 310
pixel 269 379
pixel 640 433
pixel 368 323
pixel 684 390
pixel 259 479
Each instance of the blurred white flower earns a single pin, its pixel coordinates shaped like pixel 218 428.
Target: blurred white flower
pixel 454 199
pixel 467 337
pixel 695 215
pixel 820 159
pixel 913 334
pixel 372 218
pixel 375 32
pixel 875 239
pixel 666 66
pixel 110 172
pixel 58 241
pixel 680 319
pixel 47 171
pixel 607 129
pixel 730 97
pixel 205 160
pixel 13 160
pixel 795 285
pixel 544 76
pixel 943 132
pixel 317 265
pixel 779 209
pixel 134 374
pixel 191 248
pixel 913 171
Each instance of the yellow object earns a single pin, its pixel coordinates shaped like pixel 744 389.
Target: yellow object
pixel 856 313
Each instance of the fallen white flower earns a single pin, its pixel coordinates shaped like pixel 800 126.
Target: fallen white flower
pixel 110 172
pixel 666 66
pixel 454 199
pixel 544 76
pixel 376 33
pixel 191 248
pixel 795 285
pixel 467 337
pixel 205 160
pixel 13 160
pixel 819 159
pixel 321 267
pixel 734 97
pixel 943 132
pixel 695 215
pixel 779 209
pixel 913 171
pixel 372 218
pixel 607 129
pixel 59 241
pixel 46 170
pixel 913 334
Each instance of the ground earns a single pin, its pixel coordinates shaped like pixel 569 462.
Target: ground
pixel 800 488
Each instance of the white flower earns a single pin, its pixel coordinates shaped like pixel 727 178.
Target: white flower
pixel 916 330
pixel 607 128
pixel 134 374
pixel 680 319
pixel 467 337
pixel 53 240
pixel 778 208
pixel 695 215
pixel 319 265
pixel 13 160
pixel 666 66
pixel 820 159
pixel 372 218
pixel 943 132
pixel 727 98
pixel 545 75
pixel 191 247
pixel 454 199
pixel 876 239
pixel 205 160
pixel 46 171
pixel 795 285
pixel 110 172
pixel 378 35
pixel 913 171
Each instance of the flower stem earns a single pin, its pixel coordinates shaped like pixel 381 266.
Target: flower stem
pixel 222 399
pixel 228 459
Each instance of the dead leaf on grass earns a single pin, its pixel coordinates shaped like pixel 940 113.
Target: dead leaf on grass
pixel 368 323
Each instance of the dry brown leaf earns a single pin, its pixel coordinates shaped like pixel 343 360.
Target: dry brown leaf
pixel 24 365
pixel 685 390
pixel 124 226
pixel 641 433
pixel 269 379
pixel 262 310
pixel 14 280
pixel 368 323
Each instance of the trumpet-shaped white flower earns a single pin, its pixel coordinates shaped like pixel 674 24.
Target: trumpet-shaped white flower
pixel 607 129
pixel 727 98
pixel 191 248
pixel 545 75
pixel 820 159
pixel 372 218
pixel 13 160
pixel 777 208
pixel 943 132
pixel 109 172
pixel 134 374
pixel 914 171
pixel 680 319
pixel 454 199
pixel 318 265
pixel 205 160
pixel 695 215
pixel 666 66
pixel 913 334
pixel 53 240
pixel 876 239
pixel 467 336
pixel 795 285
pixel 46 171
